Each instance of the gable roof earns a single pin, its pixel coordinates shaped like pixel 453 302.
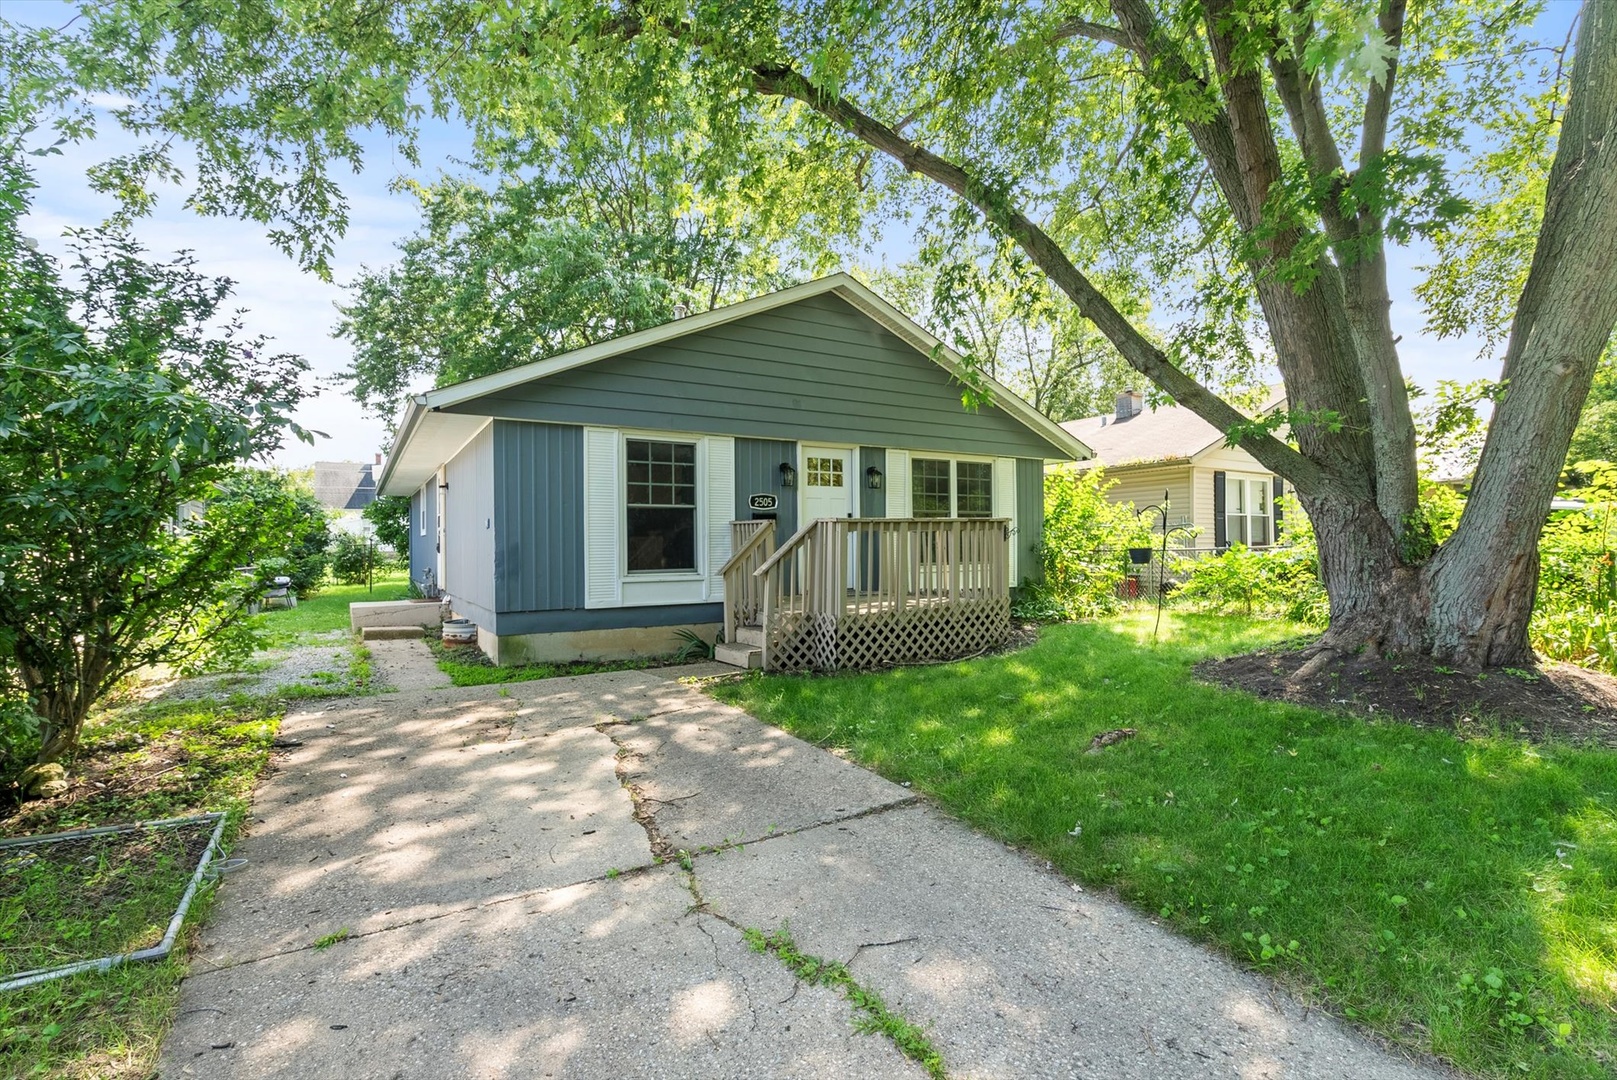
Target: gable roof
pixel 1168 435
pixel 344 485
pixel 426 430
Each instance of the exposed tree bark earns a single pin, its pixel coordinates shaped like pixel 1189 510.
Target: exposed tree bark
pixel 1334 342
pixel 1484 579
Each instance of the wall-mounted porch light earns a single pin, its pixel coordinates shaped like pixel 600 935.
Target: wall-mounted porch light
pixel 873 478
pixel 788 475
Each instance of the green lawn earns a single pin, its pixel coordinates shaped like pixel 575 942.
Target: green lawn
pixel 137 762
pixel 327 610
pixel 1456 896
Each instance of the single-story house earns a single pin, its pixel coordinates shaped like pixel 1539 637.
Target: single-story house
pixel 1221 492
pixel 592 504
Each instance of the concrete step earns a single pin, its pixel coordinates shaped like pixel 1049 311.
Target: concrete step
pixel 741 656
pixel 391 633
pixel 750 635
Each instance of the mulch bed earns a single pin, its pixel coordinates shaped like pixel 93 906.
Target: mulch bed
pixel 1551 701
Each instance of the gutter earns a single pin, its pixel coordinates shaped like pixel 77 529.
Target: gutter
pixel 414 408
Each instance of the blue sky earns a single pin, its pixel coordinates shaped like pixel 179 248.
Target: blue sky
pixel 298 310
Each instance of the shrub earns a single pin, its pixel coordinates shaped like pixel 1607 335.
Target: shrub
pixel 1084 548
pixel 1281 580
pixel 390 516
pixel 1576 615
pixel 354 559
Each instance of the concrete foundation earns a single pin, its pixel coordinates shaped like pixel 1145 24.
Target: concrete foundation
pixel 565 646
pixel 371 613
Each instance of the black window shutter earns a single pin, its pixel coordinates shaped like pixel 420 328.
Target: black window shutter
pixel 1220 536
pixel 1280 490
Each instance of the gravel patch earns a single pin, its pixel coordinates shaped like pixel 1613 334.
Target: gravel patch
pixel 299 665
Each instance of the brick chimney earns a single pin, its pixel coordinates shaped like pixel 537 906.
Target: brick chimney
pixel 378 459
pixel 1129 403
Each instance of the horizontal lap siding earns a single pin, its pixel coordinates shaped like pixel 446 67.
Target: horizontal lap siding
pixel 758 463
pixel 469 527
pixel 539 516
pixel 1144 487
pixel 818 370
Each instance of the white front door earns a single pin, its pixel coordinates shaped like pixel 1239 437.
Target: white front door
pixel 827 484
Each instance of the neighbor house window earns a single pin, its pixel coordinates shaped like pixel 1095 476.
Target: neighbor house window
pixel 661 505
pixel 1247 514
pixel 944 488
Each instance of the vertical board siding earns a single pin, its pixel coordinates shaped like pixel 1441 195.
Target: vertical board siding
pixel 539 516
pixel 1029 520
pixel 469 525
pixel 872 504
pixel 603 505
pixel 421 554
pixel 819 369
pixel 758 473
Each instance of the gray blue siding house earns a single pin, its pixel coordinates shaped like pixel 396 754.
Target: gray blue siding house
pixel 586 505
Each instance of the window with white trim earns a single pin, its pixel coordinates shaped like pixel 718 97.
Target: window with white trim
pixel 1248 517
pixel 660 505
pixel 943 487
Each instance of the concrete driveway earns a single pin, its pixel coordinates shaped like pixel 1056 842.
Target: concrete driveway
pixel 489 859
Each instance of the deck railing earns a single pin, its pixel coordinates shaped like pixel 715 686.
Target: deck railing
pixel 861 592
pixel 753 543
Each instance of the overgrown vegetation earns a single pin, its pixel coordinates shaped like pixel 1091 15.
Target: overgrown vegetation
pixel 1576 615
pixel 135 762
pixel 1084 549
pixel 316 621
pixel 1455 895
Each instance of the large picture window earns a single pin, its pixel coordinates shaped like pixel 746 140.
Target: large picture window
pixel 944 488
pixel 661 505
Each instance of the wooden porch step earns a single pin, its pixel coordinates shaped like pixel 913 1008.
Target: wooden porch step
pixel 750 635
pixel 739 655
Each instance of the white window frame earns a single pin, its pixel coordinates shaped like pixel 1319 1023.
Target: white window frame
pixel 1238 491
pixel 699 510
pixel 954 480
pixel 421 513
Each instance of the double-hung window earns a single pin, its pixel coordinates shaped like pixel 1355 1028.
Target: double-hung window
pixel 660 508
pixel 941 487
pixel 1248 517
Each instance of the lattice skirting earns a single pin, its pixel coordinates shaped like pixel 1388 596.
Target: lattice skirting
pixel 889 636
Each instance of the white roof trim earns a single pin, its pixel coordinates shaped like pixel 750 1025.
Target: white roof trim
pixel 842 284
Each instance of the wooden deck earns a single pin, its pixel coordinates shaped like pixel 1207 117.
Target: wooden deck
pixel 864 592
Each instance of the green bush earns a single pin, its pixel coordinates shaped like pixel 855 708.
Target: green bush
pixel 1280 580
pixel 293 535
pixel 354 559
pixel 1576 615
pixel 1084 548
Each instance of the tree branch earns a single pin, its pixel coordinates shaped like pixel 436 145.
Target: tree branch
pixel 1378 103
pixel 1083 28
pixel 781 80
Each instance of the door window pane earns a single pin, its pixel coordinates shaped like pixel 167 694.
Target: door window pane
pixel 661 511
pixel 974 489
pixel 823 472
pixel 929 487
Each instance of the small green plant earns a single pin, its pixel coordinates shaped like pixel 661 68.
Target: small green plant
pixel 694 647
pixel 333 938
pixel 879 1019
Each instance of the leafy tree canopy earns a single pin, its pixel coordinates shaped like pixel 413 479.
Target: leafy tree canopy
pixel 124 400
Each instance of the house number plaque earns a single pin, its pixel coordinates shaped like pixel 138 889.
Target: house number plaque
pixel 763 502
